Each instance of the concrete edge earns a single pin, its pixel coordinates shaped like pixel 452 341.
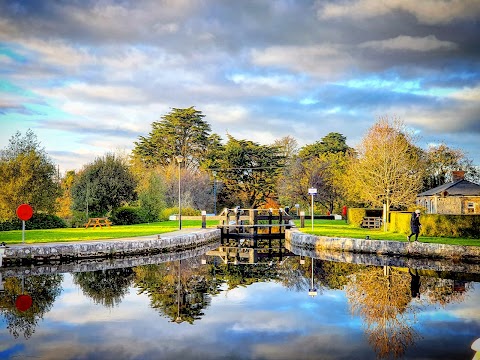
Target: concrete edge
pixel 32 253
pixel 383 247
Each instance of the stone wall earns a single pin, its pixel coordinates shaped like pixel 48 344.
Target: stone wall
pixel 35 253
pixel 383 247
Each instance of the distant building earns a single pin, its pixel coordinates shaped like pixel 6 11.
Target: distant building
pixel 457 197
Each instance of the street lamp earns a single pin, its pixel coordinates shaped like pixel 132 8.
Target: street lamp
pixel 312 192
pixel 179 159
pixel 214 173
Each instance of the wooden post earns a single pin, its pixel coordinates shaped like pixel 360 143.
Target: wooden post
pixel 270 213
pixel 204 219
pixel 302 219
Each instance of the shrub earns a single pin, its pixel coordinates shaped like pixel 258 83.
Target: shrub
pixel 126 215
pixel 38 221
pixel 165 214
pixel 466 226
pixel 356 215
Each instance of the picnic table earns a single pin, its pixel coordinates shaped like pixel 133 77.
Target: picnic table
pixel 100 221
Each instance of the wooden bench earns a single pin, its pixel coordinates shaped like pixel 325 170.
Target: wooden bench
pixel 371 222
pixel 94 222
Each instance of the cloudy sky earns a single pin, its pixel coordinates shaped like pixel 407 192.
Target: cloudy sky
pixel 90 77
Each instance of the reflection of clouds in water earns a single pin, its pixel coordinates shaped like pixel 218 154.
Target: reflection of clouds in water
pixel 262 320
pixel 467 309
pixel 327 346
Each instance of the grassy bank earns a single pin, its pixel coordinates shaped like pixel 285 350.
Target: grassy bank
pixel 338 228
pixel 335 228
pixel 114 232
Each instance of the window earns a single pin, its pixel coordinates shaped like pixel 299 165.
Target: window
pixel 470 207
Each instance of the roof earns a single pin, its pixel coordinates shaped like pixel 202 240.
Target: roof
pixel 459 187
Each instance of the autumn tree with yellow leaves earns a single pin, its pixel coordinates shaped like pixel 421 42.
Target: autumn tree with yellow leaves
pixel 387 167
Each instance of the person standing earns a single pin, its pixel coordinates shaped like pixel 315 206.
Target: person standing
pixel 415 225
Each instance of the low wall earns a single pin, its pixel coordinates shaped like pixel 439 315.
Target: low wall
pixel 439 265
pixel 87 265
pixel 35 253
pixel 383 247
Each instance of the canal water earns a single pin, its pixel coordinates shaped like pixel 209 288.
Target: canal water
pixel 236 302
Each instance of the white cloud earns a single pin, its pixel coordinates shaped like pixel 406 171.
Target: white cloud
pixel 467 94
pixel 426 11
pixel 323 60
pixel 402 42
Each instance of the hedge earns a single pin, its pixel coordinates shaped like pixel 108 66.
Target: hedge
pixel 38 221
pixel 355 216
pixel 465 226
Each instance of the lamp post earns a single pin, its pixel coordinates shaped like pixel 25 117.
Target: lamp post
pixel 179 159
pixel 214 173
pixel 312 192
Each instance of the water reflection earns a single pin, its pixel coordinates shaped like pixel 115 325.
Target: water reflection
pixel 382 298
pixel 105 287
pixel 43 290
pixel 391 305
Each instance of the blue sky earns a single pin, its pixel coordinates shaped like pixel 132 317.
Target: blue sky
pixel 90 77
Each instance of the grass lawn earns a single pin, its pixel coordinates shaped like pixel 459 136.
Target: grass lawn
pixel 338 228
pixel 114 232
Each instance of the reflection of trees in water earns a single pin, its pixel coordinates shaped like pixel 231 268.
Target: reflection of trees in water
pixel 381 297
pixel 444 291
pixel 177 288
pixel 331 275
pixel 43 290
pixel 105 287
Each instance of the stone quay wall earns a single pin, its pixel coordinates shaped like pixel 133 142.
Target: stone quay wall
pixel 35 253
pixel 383 247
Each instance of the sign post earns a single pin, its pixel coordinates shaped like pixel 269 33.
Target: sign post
pixel 24 212
pixel 312 192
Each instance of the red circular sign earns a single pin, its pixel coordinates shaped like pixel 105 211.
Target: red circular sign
pixel 24 212
pixel 23 302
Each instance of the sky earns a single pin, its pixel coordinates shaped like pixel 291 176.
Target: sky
pixel 90 77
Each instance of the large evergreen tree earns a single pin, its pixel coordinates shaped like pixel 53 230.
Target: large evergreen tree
pixel 180 132
pixel 249 172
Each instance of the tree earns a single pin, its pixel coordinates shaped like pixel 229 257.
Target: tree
pixel 181 132
pixel 64 202
pixel 330 144
pixel 389 168
pixel 249 172
pixel 288 147
pixel 318 165
pixel 442 161
pixel 103 185
pixel 28 176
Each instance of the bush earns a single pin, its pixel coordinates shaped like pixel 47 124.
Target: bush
pixel 355 216
pixel 165 214
pixel 38 221
pixel 465 226
pixel 126 215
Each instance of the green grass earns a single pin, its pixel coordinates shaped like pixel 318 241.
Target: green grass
pixel 335 228
pixel 114 232
pixel 338 228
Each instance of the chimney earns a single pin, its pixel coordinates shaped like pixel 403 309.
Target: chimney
pixel 458 175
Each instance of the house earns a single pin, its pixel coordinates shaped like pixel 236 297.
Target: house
pixel 457 197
